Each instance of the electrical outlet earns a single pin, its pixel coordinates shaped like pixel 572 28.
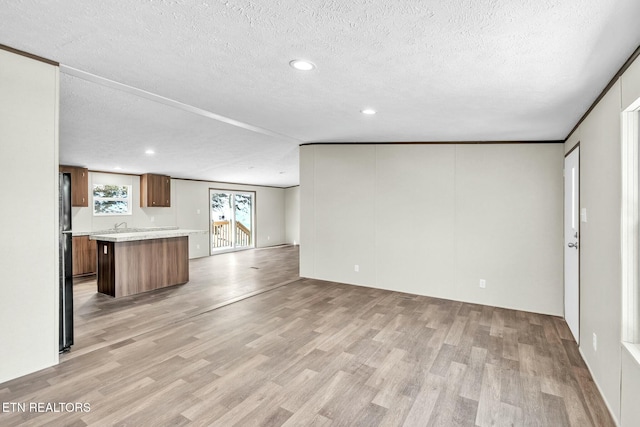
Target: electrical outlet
pixel 197 246
pixel 268 237
pixel 197 211
pixel 153 219
pixel 595 342
pixel 483 283
pixel 356 268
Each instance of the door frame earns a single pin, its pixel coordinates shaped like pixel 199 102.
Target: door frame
pixel 254 220
pixel 575 148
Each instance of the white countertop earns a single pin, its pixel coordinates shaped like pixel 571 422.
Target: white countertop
pixel 144 235
pixel 75 233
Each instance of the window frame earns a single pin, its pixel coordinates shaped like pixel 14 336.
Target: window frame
pixel 128 200
pixel 254 220
pixel 630 231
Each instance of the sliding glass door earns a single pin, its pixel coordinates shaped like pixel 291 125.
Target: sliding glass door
pixel 232 214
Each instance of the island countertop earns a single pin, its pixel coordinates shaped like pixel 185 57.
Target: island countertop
pixel 139 261
pixel 78 233
pixel 144 235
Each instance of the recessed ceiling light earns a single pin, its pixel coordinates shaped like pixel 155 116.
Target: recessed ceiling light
pixel 302 65
pixel 149 152
pixel 117 168
pixel 368 111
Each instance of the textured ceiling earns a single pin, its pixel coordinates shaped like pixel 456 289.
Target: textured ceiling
pixel 435 71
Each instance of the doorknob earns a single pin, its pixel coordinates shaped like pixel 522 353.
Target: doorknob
pixel 573 245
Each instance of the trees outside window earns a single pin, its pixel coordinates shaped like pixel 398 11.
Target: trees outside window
pixel 111 199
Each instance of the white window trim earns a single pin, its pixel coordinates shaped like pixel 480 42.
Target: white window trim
pixel 630 238
pixel 254 221
pixel 128 199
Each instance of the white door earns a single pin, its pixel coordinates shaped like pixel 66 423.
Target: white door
pixel 571 242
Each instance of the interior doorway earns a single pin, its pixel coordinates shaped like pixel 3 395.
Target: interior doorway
pixel 232 220
pixel 572 242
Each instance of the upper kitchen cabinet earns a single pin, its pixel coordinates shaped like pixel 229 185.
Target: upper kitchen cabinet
pixel 79 185
pixel 155 191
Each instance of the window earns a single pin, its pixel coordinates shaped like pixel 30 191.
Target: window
pixel 232 214
pixel 111 199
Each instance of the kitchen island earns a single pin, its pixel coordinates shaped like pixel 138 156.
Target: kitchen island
pixel 141 261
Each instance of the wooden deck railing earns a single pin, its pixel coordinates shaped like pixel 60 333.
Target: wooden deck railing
pixel 221 234
pixel 243 235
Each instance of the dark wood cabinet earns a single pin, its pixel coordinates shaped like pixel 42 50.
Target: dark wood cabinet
pixel 155 191
pixel 128 268
pixel 84 255
pixel 79 185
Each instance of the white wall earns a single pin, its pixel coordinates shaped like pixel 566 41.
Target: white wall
pixel 599 136
pixel 434 219
pixel 29 250
pixel 344 211
pixel 193 196
pixel 600 261
pixel 187 199
pixel 292 215
pixel 415 220
pixel 84 220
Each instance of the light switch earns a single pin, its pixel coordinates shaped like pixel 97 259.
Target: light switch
pixel 104 249
pixel 583 215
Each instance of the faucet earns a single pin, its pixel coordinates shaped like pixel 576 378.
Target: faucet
pixel 118 225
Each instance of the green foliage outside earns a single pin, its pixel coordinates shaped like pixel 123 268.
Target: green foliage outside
pixel 221 206
pixel 111 191
pixel 113 207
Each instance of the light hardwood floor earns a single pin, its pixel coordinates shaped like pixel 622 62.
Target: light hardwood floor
pixel 248 343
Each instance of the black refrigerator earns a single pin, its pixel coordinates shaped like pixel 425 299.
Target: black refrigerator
pixel 66 273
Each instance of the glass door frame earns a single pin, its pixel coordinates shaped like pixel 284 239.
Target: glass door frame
pixel 234 247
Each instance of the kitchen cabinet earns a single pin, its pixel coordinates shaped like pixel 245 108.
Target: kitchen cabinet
pixel 79 185
pixel 155 191
pixel 84 255
pixel 127 266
